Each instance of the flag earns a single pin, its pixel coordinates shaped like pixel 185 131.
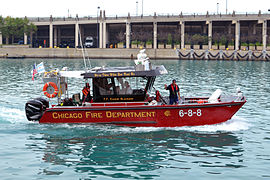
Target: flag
pixel 34 72
pixel 40 68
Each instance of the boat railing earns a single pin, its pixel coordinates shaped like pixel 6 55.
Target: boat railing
pixel 192 100
pixel 114 104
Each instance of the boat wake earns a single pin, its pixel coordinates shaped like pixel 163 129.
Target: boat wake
pixel 234 124
pixel 12 115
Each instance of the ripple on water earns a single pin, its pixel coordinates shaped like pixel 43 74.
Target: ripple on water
pixel 236 149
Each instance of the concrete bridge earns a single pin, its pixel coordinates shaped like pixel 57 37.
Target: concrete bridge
pixel 52 31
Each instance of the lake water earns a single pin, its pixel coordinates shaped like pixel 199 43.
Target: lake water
pixel 236 149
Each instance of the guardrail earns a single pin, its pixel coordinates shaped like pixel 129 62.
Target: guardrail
pixel 223 55
pixel 132 16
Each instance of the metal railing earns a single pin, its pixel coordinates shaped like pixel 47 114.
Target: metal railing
pixel 180 15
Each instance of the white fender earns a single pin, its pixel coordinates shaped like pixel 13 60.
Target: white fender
pixel 214 97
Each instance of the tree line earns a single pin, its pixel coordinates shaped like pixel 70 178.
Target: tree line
pixel 12 28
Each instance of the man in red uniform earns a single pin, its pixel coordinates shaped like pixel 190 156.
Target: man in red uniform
pixel 86 93
pixel 174 92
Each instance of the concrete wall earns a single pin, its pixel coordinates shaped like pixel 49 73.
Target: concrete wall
pixel 77 53
pixel 120 53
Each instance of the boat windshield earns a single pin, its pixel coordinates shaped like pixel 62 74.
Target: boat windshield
pixel 115 88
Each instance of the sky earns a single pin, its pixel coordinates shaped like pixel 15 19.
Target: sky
pixel 63 8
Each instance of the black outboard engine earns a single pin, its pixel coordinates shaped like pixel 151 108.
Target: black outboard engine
pixel 34 108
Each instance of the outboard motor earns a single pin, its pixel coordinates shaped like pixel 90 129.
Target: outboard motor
pixel 34 108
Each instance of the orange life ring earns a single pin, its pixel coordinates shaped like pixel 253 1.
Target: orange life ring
pixel 54 94
pixel 201 101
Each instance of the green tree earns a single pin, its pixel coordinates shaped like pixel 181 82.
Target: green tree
pixel 197 39
pixel 16 27
pixel 30 29
pixel 5 28
pixel 1 22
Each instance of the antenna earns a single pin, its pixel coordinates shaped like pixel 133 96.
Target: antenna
pixel 83 52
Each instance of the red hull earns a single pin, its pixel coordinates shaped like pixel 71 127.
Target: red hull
pixel 142 115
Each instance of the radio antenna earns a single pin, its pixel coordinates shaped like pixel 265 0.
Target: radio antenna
pixel 83 52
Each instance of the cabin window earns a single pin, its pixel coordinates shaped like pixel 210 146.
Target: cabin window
pixel 116 89
pixel 103 86
pixel 130 85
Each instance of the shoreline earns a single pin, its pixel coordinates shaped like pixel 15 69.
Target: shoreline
pixel 158 54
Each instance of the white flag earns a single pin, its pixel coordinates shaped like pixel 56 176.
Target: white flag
pixel 40 68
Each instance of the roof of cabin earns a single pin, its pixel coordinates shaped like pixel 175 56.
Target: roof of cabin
pixel 129 71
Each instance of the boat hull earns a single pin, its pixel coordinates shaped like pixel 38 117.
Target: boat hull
pixel 144 116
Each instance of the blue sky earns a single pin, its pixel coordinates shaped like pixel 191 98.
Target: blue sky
pixel 61 8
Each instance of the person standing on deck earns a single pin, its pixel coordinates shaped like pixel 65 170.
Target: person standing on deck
pixel 174 92
pixel 86 93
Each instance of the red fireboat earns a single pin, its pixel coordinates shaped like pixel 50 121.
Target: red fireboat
pixel 120 96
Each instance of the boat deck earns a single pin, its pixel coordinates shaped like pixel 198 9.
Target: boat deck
pixel 165 101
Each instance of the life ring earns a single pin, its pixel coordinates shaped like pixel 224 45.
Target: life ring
pixel 201 101
pixel 52 84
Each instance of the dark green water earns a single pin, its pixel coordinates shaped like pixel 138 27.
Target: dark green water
pixel 237 149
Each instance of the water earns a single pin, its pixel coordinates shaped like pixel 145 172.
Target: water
pixel 236 149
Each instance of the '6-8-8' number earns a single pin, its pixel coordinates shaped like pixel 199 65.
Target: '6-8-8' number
pixel 199 112
pixel 181 113
pixel 190 113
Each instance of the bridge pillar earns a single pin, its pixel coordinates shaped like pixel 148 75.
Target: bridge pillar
pixel 128 34
pixel 237 34
pixel 100 36
pixel 264 32
pixel 1 38
pixel 76 34
pixel 210 32
pixel 104 39
pixel 182 23
pixel 25 38
pixel 51 35
pixel 155 38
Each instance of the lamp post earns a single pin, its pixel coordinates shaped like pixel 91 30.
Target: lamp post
pixel 142 7
pixel 217 7
pixel 136 8
pixel 97 28
pixel 226 6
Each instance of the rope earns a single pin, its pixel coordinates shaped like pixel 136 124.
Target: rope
pixel 214 56
pixel 199 56
pixel 258 57
pixel 242 56
pixel 227 55
pixel 180 54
